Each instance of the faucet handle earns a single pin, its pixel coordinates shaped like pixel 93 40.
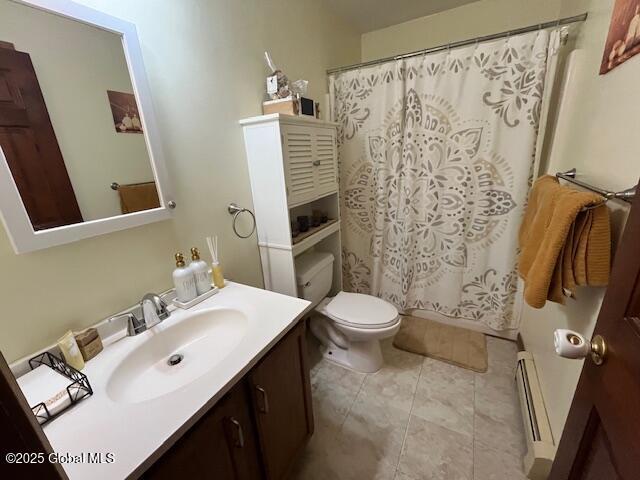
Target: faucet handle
pixel 134 324
pixel 115 318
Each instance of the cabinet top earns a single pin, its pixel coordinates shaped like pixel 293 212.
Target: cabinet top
pixel 284 118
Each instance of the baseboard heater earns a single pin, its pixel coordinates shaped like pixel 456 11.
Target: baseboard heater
pixel 540 447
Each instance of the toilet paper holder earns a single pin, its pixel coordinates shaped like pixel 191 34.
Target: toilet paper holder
pixel 571 344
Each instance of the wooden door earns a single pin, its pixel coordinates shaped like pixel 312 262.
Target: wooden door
pixel 20 433
pixel 298 163
pixel 221 446
pixel 601 438
pixel 282 402
pixel 326 161
pixel 30 146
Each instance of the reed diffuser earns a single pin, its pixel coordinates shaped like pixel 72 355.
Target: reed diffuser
pixel 216 269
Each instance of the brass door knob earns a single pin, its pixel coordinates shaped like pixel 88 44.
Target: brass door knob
pixel 598 350
pixel 571 344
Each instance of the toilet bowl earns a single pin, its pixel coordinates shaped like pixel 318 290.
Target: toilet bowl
pixel 349 326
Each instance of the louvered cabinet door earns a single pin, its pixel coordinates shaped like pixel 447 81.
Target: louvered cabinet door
pixel 326 161
pixel 298 160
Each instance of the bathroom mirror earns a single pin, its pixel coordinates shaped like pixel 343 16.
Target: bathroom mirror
pixel 79 150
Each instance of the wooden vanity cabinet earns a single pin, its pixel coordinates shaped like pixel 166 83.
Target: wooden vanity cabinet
pixel 221 446
pixel 281 392
pixel 257 430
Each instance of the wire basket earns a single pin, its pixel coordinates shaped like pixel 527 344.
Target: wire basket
pixel 77 390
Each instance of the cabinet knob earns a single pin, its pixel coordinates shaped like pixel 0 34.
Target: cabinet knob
pixel 265 400
pixel 316 163
pixel 240 437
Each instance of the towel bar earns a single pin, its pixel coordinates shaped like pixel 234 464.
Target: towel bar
pixel 116 185
pixel 626 195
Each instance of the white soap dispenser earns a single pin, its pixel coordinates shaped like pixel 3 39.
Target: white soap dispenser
pixel 184 281
pixel 200 271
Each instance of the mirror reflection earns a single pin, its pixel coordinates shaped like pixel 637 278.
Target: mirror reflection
pixel 70 127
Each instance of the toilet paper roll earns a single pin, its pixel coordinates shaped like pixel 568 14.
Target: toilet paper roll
pixel 570 344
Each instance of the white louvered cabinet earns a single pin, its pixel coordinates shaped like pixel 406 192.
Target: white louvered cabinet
pixel 326 161
pixel 310 163
pixel 293 168
pixel 299 163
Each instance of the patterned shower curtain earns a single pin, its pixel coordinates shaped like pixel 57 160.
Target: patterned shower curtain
pixel 436 161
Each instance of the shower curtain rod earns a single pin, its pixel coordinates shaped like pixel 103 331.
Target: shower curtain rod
pixel 462 43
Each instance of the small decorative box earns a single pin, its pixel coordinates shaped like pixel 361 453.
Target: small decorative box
pixel 89 343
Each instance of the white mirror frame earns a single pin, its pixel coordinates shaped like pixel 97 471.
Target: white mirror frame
pixel 14 215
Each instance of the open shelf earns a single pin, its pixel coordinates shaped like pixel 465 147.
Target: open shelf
pixel 313 200
pixel 313 230
pixel 308 239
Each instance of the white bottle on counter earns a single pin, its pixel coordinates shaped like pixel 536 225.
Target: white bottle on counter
pixel 184 281
pixel 200 271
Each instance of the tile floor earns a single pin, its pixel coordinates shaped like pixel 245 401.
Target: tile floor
pixel 417 418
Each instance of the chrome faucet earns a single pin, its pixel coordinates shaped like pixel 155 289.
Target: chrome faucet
pixel 153 308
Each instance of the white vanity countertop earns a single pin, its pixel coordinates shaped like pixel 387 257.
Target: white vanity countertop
pixel 132 432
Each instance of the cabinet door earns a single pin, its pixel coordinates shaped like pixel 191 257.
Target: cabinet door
pixel 297 146
pixel 221 446
pixel 326 161
pixel 243 442
pixel 282 403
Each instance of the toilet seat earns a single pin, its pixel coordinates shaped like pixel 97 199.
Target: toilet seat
pixel 357 310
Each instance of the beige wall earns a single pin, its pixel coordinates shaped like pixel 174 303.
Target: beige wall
pixel 76 64
pixel 205 65
pixel 597 132
pixel 479 18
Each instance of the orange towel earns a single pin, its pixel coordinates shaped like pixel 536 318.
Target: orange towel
pixel 138 196
pixel 562 244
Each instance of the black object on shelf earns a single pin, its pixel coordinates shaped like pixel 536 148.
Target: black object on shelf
pixel 316 218
pixel 77 390
pixel 307 107
pixel 295 230
pixel 303 223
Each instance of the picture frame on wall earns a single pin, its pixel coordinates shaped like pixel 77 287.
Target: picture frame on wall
pixel 623 40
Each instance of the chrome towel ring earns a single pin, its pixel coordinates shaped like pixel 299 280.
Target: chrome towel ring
pixel 236 210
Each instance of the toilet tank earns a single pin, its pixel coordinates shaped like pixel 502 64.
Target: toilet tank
pixel 314 275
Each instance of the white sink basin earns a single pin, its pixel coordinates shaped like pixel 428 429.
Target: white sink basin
pixel 202 341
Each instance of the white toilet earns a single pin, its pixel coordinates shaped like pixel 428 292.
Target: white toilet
pixel 351 325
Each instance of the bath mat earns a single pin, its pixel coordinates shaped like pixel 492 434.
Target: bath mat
pixel 455 345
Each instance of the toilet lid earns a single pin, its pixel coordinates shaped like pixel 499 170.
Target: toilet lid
pixel 363 311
